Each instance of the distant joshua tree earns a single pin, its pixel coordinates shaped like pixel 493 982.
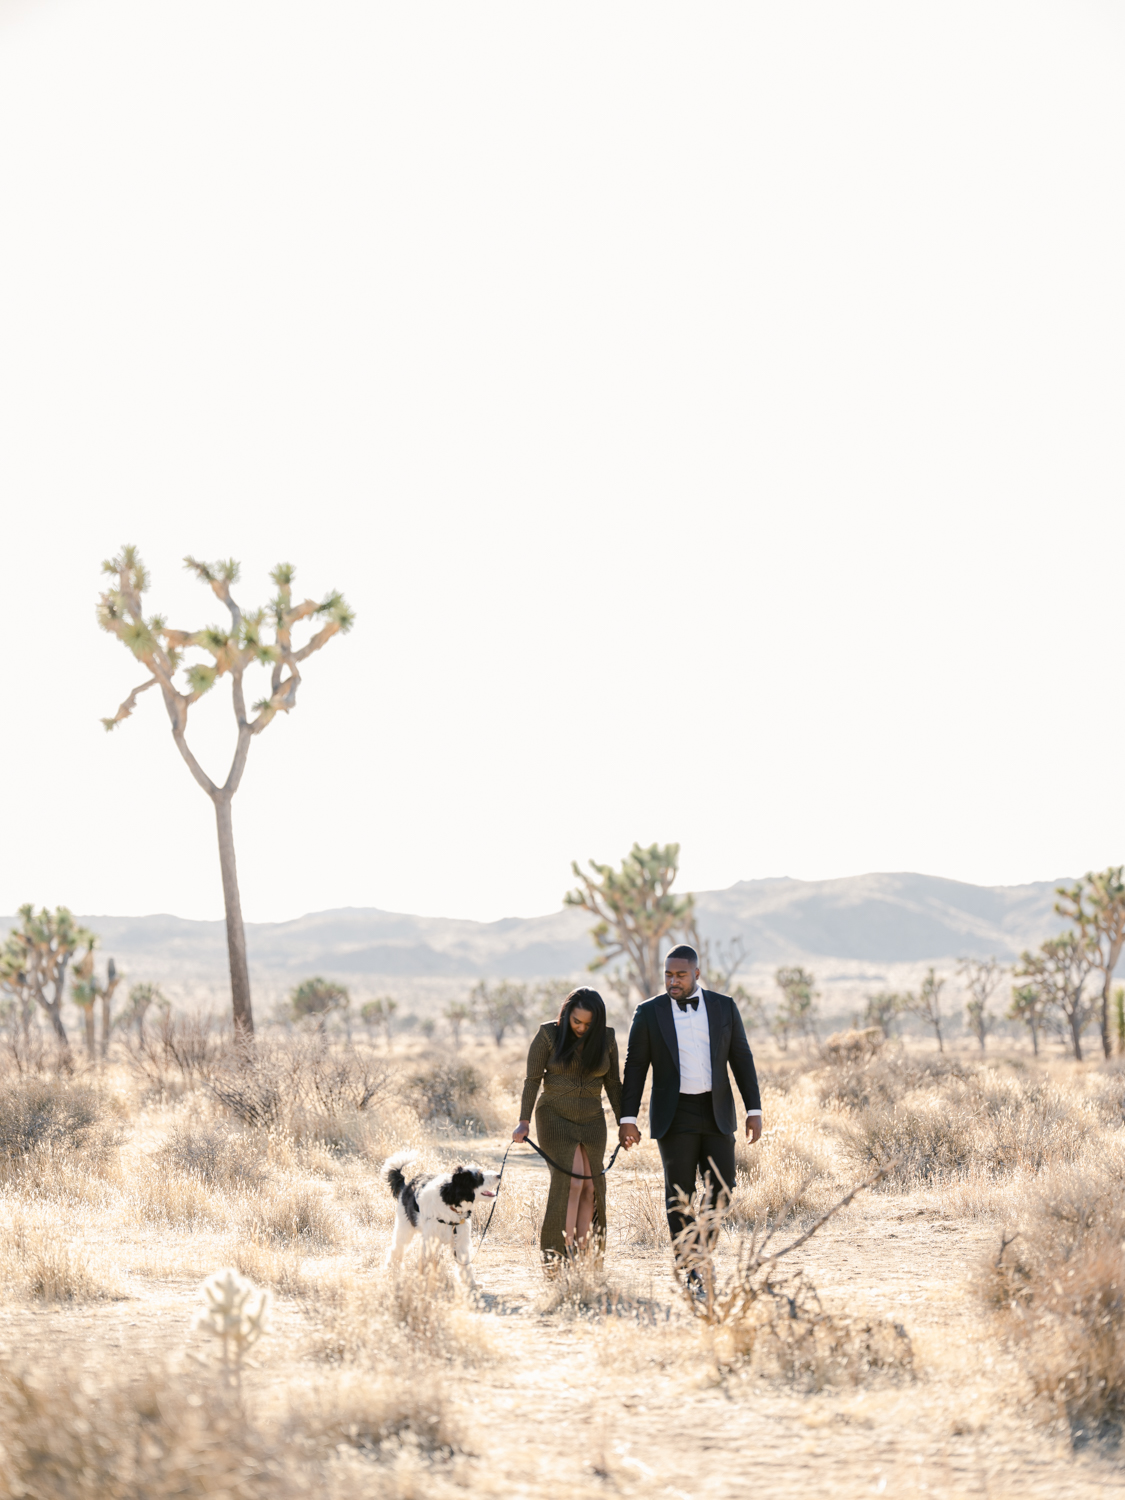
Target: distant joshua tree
pixel 636 912
pixel 1058 973
pixel 318 997
pixel 232 651
pixel 883 1010
pixel 457 1013
pixel 981 976
pixel 797 1014
pixel 380 1013
pixel 37 955
pixel 501 1008
pixel 87 990
pixel 1096 905
pixel 142 998
pixel 926 1005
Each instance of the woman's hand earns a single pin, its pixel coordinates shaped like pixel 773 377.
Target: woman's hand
pixel 521 1131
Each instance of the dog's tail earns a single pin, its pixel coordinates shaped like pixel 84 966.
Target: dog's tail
pixel 392 1170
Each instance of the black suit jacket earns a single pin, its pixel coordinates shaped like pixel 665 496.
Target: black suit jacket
pixel 652 1043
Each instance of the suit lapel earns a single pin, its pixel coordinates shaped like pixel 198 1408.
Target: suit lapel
pixel 714 1028
pixel 668 1027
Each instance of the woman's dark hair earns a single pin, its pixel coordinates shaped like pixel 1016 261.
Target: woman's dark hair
pixel 592 1045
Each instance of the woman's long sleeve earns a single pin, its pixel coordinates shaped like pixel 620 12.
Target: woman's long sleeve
pixel 613 1081
pixel 538 1056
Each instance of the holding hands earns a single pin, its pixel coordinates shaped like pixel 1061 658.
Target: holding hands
pixel 629 1136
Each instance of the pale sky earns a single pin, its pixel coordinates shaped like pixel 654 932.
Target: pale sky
pixel 712 413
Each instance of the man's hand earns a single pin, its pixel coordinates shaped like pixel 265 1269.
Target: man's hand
pixel 629 1136
pixel 521 1131
pixel 753 1127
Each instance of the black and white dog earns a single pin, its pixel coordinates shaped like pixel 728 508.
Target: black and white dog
pixel 438 1206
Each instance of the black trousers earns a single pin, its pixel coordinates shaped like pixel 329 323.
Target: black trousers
pixel 694 1144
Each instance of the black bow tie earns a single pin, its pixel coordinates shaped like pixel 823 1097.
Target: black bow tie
pixel 693 1002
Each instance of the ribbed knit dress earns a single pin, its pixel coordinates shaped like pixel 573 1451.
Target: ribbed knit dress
pixel 568 1115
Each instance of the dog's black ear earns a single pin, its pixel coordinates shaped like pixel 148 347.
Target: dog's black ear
pixel 457 1169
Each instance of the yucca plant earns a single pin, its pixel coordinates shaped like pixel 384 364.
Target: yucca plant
pixel 235 1312
pixel 232 652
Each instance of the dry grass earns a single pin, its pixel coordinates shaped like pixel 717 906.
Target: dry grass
pixel 134 1181
pixel 163 1437
pixel 1057 1284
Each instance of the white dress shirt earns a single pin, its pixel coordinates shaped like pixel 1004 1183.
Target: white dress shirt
pixel 693 1037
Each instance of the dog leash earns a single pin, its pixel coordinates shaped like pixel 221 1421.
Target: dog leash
pixel 582 1176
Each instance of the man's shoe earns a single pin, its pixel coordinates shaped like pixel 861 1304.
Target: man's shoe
pixel 696 1287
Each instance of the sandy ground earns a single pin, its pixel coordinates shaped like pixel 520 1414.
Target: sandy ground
pixel 569 1407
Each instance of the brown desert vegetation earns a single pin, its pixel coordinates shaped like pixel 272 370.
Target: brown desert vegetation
pixel 957 1327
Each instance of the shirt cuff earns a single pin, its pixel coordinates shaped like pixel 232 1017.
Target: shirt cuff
pixel 630 1120
pixel 757 1112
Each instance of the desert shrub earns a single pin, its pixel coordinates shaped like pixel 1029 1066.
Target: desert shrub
pixel 421 1309
pixel 579 1286
pixel 307 1086
pixel 639 1214
pixel 367 1410
pixel 182 1199
pixel 53 1113
pixel 451 1096
pixel 779 1175
pixel 786 1333
pixel 163 1437
pixel 885 1078
pixel 952 1123
pixel 38 1262
pixel 217 1156
pixel 179 1053
pixel 292 1213
pixel 1058 1287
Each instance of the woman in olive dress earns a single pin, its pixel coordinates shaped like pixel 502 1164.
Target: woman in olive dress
pixel 573 1058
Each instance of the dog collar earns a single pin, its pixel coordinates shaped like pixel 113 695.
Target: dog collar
pixel 456 1223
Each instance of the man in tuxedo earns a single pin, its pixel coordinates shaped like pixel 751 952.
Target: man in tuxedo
pixel 688 1036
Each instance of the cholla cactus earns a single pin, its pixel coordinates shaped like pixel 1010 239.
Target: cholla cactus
pixel 236 1312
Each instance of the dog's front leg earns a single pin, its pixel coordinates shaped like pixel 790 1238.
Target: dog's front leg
pixel 463 1250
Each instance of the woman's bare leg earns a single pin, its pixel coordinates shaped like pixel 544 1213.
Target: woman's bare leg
pixel 573 1202
pixel 587 1202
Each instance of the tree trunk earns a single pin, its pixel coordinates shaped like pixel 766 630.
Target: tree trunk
pixel 236 936
pixel 52 1009
pixel 106 1000
pixel 937 1033
pixel 1076 1034
pixel 88 1018
pixel 1034 1039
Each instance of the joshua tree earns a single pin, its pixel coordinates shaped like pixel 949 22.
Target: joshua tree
pixel 501 1008
pixel 380 1013
pixel 318 997
pixel 41 949
pixel 883 1010
pixel 87 989
pixel 926 1004
pixel 141 999
pixel 457 1013
pixel 232 652
pixel 798 1010
pixel 635 910
pixel 981 976
pixel 1096 905
pixel 1058 972
pixel 1028 1007
pixel 15 981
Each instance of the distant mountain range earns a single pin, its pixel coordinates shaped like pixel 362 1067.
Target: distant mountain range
pixel 874 919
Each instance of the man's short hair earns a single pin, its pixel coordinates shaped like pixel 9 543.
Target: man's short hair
pixel 685 951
